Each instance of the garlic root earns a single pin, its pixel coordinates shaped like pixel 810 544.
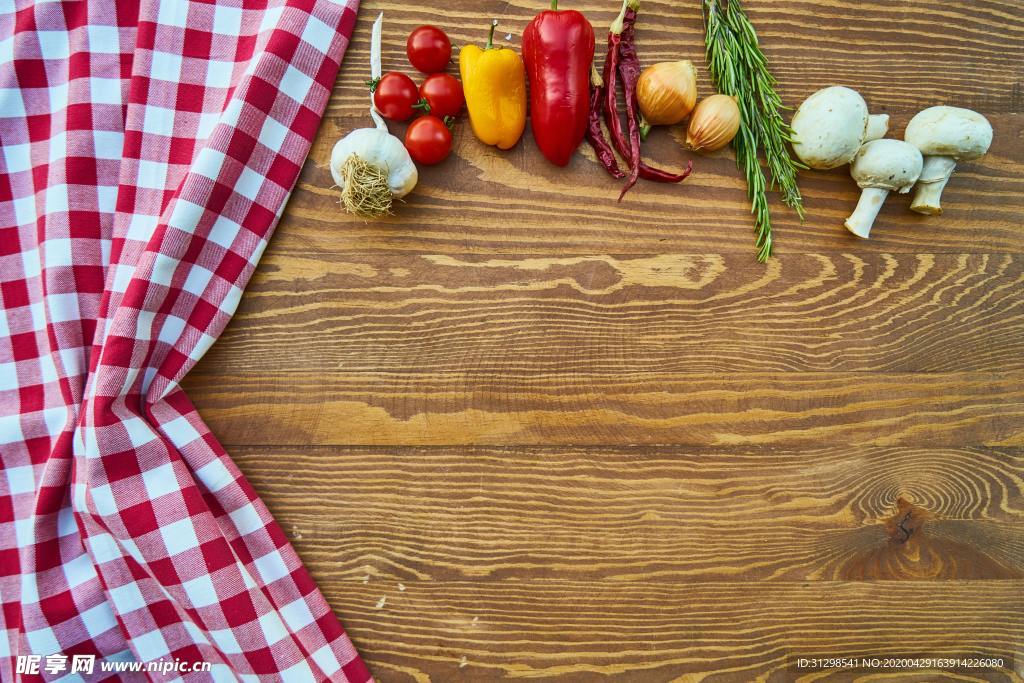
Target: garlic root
pixel 365 190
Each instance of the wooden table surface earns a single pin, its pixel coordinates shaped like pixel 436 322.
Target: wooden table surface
pixel 522 431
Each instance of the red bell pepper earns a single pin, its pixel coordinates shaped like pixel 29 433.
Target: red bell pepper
pixel 558 49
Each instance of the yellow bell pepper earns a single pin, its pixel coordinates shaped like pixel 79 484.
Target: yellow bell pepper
pixel 494 81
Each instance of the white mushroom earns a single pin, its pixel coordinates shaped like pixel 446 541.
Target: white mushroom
pixel 881 167
pixel 945 135
pixel 831 125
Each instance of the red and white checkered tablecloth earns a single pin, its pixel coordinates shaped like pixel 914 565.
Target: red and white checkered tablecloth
pixel 146 153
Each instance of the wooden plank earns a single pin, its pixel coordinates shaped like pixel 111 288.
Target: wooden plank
pixel 403 313
pixel 483 201
pixel 647 513
pixel 570 631
pixel 522 407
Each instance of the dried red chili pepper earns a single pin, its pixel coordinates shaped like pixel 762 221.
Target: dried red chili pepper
pixel 595 135
pixel 660 176
pixel 629 72
pixel 622 61
pixel 611 80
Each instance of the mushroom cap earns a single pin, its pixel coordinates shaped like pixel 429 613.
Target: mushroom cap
pixel 829 127
pixel 950 132
pixel 891 165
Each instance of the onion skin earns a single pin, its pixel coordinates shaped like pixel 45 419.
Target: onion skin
pixel 714 124
pixel 667 92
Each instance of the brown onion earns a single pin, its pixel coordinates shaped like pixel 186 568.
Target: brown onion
pixel 715 122
pixel 667 92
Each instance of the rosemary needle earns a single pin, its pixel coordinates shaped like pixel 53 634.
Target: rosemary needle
pixel 739 68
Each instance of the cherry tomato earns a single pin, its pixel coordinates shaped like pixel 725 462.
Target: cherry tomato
pixel 395 96
pixel 443 94
pixel 428 140
pixel 429 49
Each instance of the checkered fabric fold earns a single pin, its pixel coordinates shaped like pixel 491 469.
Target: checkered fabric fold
pixel 146 153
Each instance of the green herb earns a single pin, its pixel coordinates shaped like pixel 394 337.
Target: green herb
pixel 739 68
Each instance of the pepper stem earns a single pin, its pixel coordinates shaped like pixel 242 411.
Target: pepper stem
pixel 554 5
pixel 595 77
pixel 645 127
pixel 490 36
pixel 619 25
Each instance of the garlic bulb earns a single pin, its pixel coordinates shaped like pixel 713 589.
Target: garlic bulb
pixel 714 124
pixel 369 165
pixel 367 161
pixel 667 92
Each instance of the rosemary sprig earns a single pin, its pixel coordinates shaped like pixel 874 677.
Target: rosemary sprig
pixel 739 68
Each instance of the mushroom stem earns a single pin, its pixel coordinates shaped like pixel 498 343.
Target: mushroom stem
pixel 878 126
pixel 934 177
pixel 863 217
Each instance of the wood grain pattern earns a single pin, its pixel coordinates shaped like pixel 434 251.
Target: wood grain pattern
pixel 616 408
pixel 668 312
pixel 640 513
pixel 521 431
pixel 657 631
